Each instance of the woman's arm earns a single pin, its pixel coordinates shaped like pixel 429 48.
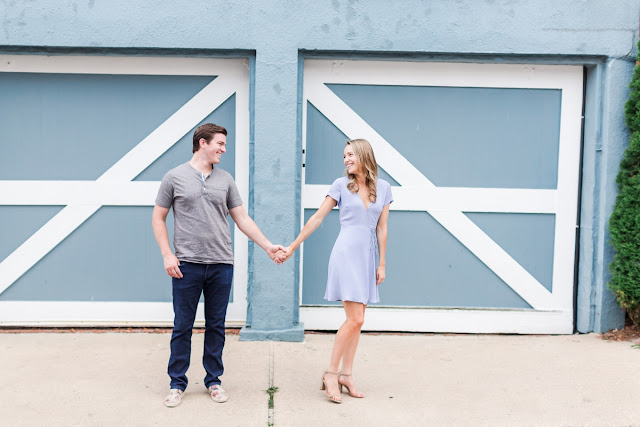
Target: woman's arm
pixel 381 232
pixel 311 226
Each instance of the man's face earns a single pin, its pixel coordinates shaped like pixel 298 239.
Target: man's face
pixel 214 149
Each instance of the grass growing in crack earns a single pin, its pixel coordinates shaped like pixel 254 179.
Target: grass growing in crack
pixel 636 346
pixel 271 391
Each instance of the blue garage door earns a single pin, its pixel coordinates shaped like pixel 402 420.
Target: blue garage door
pixel 84 144
pixel 483 160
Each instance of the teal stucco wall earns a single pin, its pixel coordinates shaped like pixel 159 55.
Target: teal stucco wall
pixel 600 34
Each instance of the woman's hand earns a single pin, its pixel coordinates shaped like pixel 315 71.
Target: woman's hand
pixel 273 251
pixel 380 275
pixel 284 255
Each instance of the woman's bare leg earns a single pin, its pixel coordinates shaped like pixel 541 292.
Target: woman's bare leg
pixel 348 357
pixel 344 339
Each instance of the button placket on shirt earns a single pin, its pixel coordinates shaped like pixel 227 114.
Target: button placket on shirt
pixel 202 187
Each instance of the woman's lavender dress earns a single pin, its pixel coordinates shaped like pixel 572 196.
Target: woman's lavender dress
pixel 353 261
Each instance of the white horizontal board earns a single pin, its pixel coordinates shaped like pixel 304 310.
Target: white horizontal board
pixel 455 320
pixel 84 313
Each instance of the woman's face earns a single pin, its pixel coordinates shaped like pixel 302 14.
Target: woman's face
pixel 351 161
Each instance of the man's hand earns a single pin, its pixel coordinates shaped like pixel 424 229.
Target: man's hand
pixel 273 251
pixel 380 275
pixel 285 254
pixel 171 264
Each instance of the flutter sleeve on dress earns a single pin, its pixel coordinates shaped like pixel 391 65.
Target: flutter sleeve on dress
pixel 334 190
pixel 388 197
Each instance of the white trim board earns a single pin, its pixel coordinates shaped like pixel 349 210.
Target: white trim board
pixel 455 320
pixel 136 65
pixel 508 200
pixel 69 313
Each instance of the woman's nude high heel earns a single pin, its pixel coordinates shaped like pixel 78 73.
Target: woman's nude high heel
pixel 359 395
pixel 335 398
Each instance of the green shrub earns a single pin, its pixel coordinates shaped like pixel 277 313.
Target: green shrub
pixel 624 224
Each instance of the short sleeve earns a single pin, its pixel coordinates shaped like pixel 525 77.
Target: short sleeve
pixel 388 197
pixel 334 190
pixel 164 199
pixel 233 196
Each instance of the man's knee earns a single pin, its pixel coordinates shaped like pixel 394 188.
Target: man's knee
pixel 183 325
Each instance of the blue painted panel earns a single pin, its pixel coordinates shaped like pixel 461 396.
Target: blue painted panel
pixel 113 256
pixel 317 249
pixel 61 126
pixel 528 238
pixel 426 267
pixel 467 137
pixel 325 148
pixel 18 223
pixel 181 151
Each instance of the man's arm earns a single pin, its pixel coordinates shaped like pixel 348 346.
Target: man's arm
pixel 159 223
pixel 251 230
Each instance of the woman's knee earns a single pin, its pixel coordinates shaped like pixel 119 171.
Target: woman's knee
pixel 356 321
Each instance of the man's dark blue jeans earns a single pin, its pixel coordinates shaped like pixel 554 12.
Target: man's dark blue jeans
pixel 214 280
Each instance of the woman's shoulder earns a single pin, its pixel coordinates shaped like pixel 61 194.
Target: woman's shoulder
pixel 341 180
pixel 382 183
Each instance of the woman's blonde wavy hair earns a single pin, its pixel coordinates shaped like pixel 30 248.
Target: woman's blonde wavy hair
pixel 364 153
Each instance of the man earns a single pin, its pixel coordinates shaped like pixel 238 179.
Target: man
pixel 201 195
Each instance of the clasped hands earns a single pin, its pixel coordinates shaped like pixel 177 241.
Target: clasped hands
pixel 282 254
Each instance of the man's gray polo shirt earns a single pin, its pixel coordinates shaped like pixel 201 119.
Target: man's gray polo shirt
pixel 200 208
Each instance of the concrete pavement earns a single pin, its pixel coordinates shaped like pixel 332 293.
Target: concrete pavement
pixel 113 379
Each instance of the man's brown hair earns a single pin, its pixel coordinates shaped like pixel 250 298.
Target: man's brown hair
pixel 206 131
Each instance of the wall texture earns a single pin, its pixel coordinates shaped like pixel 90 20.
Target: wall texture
pixel 595 32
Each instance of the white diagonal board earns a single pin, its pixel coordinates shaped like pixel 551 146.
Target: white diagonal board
pixel 124 170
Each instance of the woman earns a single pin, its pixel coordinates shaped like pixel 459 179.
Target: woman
pixel 363 200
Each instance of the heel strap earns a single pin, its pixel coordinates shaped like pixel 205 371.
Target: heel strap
pixel 331 372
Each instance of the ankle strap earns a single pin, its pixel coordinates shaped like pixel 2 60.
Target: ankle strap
pixel 343 374
pixel 331 372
